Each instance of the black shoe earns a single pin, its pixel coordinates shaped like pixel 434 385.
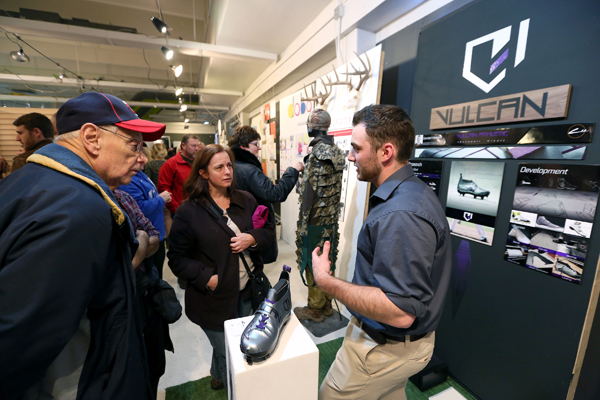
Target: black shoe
pixel 216 385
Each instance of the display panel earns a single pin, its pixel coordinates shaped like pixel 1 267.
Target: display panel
pixel 473 197
pixel 552 218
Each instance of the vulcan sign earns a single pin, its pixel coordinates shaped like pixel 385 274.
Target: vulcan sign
pixel 527 106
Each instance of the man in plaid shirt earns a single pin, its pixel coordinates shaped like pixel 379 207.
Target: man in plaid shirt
pixel 145 232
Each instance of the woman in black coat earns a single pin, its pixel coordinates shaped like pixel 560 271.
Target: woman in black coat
pixel 249 176
pixel 209 232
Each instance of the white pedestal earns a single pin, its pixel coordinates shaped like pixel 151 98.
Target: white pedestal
pixel 292 371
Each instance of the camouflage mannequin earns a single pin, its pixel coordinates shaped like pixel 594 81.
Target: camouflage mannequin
pixel 320 191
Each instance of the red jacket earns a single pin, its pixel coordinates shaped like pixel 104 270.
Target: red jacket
pixel 171 177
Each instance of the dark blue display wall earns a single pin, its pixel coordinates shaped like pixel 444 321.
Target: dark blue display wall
pixel 516 332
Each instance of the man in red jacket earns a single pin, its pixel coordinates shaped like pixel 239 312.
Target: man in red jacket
pixel 176 170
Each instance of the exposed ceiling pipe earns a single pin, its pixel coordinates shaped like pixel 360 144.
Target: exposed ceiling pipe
pixel 93 35
pixel 136 87
pixel 60 100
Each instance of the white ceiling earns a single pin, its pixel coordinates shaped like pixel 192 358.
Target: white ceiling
pixel 260 25
pixel 266 25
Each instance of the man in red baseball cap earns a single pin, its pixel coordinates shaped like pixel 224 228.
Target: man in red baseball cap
pixel 66 278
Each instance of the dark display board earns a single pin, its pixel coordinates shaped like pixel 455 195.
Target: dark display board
pixel 516 333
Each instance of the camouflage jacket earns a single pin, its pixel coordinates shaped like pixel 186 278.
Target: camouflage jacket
pixel 320 191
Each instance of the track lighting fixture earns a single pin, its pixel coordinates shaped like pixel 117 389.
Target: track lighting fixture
pixel 183 108
pixel 206 122
pixel 160 26
pixel 178 91
pixel 186 127
pixel 186 120
pixel 19 56
pixel 166 51
pixel 177 70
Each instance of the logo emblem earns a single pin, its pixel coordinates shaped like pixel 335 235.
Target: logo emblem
pixel 468 216
pixel 577 131
pixel 499 39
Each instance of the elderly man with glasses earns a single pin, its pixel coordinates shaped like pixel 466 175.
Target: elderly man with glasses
pixel 70 325
pixel 249 176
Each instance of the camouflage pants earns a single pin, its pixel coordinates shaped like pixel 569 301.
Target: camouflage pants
pixel 316 297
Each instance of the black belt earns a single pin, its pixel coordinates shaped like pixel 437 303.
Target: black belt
pixel 382 338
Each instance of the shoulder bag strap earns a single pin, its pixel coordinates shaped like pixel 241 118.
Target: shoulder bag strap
pixel 213 211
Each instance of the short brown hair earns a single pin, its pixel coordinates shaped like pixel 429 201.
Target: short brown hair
pixel 388 124
pixel 242 136
pixel 185 138
pixel 196 187
pixel 36 120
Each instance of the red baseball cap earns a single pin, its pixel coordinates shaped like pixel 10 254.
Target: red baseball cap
pixel 104 109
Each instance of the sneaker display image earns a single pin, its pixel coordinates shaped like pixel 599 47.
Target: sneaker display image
pixel 578 228
pixel 516 216
pixel 562 184
pixel 568 267
pixel 467 186
pixel 523 218
pixel 539 259
pixel 518 234
pixel 542 222
pixel 260 338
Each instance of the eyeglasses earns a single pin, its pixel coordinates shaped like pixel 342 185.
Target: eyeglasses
pixel 256 143
pixel 139 145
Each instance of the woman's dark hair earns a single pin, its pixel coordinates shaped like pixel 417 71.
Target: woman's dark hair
pixel 242 136
pixel 196 187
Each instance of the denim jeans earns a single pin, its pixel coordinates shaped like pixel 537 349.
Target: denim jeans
pixel 218 367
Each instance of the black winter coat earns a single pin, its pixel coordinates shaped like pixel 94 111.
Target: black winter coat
pixel 249 176
pixel 199 247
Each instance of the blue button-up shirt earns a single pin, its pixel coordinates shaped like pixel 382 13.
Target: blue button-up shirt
pixel 404 249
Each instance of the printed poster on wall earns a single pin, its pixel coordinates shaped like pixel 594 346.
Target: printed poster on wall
pixel 552 218
pixel 473 198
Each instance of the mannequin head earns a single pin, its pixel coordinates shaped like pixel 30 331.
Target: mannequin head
pixel 318 123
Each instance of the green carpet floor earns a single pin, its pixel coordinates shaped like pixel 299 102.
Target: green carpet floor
pixel 200 389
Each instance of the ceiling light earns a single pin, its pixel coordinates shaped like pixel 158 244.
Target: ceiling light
pixel 19 56
pixel 160 26
pixel 166 51
pixel 206 122
pixel 183 108
pixel 186 120
pixel 178 70
pixel 178 91
pixel 186 127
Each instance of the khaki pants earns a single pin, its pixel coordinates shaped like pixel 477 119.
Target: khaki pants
pixel 364 369
pixel 316 297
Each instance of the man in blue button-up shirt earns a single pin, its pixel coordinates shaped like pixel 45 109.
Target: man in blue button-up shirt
pixel 402 271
